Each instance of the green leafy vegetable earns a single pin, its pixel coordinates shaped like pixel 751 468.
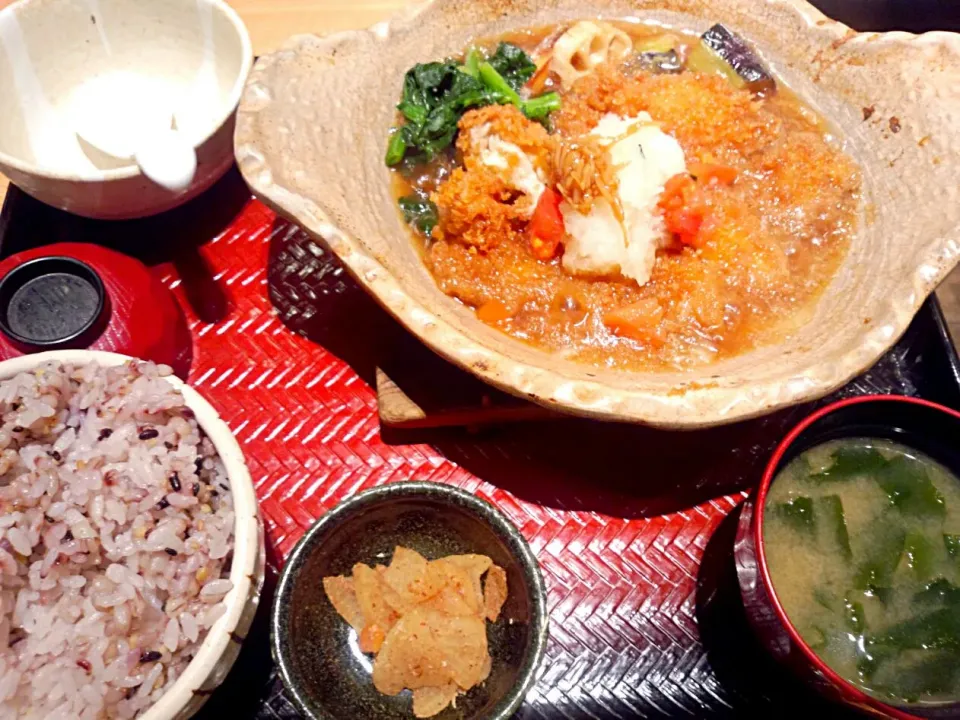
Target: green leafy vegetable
pixel 798 514
pixel 815 637
pixel 952 543
pixel 910 489
pixel 885 547
pixel 939 592
pixel 919 551
pixel 498 84
pixel 853 615
pixel 936 630
pixel 931 675
pixel 396 147
pixel 825 599
pixel 437 94
pixel 829 511
pixel 849 462
pixel 512 64
pixel 471 63
pixel 539 108
pixel 870 656
pixel 419 212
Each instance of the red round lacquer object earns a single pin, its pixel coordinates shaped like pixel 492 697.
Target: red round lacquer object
pixel 79 295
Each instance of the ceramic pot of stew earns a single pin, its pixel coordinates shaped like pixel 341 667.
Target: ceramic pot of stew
pixel 922 428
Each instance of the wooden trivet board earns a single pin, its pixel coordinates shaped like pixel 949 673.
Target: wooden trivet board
pixel 418 389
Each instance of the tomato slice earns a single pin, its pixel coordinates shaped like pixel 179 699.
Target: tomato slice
pixel 546 225
pixel 683 210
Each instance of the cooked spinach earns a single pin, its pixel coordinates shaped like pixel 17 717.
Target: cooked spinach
pixel 419 212
pixel 513 65
pixel 437 94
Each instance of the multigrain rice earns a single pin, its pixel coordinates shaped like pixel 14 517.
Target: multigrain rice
pixel 116 535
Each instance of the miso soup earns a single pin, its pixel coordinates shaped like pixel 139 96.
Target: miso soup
pixel 862 539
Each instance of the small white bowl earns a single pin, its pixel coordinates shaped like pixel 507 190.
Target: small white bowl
pixel 220 648
pixel 196 49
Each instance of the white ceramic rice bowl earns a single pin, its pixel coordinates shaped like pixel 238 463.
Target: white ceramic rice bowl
pixel 220 648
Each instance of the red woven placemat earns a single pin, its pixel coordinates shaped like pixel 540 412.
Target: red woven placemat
pixel 632 527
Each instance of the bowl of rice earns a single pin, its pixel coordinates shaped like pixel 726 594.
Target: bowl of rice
pixel 131 549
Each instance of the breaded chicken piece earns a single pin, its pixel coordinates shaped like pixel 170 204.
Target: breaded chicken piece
pixel 490 199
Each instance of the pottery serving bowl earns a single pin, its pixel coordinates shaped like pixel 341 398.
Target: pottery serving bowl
pixel 195 49
pixel 326 674
pixel 915 423
pixel 220 648
pixel 313 124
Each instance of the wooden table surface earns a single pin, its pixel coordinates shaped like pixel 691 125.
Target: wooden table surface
pixel 270 21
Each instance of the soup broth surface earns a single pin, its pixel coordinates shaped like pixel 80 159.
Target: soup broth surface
pixel 862 539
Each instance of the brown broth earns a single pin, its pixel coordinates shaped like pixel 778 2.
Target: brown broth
pixel 784 226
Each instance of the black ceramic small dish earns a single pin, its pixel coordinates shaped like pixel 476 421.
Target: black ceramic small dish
pixel 324 671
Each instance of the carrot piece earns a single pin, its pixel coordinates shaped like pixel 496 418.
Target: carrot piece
pixel 638 321
pixel 546 225
pixel 493 311
pixel 538 80
pixel 705 172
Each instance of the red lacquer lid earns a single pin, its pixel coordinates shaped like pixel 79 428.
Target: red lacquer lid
pixel 79 295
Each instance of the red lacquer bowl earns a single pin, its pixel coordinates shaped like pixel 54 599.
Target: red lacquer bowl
pixel 136 316
pixel 928 427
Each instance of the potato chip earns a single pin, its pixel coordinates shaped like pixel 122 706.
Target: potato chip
pixel 412 656
pixel 475 566
pixel 462 641
pixel 398 604
pixel 487 667
pixel 343 597
pixel 460 579
pixel 429 701
pixel 451 602
pixel 369 589
pixel 425 621
pixel 412 577
pixel 494 592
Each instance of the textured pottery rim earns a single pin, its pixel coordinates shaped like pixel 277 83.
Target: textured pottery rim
pixel 426 491
pixel 246 572
pixel 769 475
pixel 694 403
pixel 233 100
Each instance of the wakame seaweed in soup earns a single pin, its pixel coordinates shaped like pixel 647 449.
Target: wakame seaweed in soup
pixel 862 540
